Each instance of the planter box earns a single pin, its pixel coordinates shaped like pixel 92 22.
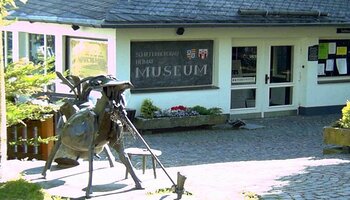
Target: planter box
pixel 34 128
pixel 336 136
pixel 178 122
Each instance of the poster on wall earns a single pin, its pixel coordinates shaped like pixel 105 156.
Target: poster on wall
pixel 87 57
pixel 171 64
pixel 333 58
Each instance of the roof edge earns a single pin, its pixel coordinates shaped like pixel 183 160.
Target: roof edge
pixel 209 24
pixel 59 20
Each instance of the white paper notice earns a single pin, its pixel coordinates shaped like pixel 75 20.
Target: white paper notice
pixel 332 47
pixel 330 65
pixel 342 66
pixel 321 69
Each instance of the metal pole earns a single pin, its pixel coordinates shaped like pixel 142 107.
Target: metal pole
pixel 133 129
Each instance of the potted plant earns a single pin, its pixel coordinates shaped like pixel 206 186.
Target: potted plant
pixel 339 132
pixel 153 118
pixel 29 115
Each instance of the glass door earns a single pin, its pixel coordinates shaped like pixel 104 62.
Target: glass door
pixel 279 79
pixel 243 78
pixel 263 77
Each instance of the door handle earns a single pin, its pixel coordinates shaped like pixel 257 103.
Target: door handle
pixel 266 78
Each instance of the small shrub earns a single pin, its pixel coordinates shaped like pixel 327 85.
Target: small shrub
pixel 215 111
pixel 148 109
pixel 204 111
pixel 22 189
pixel 201 110
pixel 344 122
pixel 23 81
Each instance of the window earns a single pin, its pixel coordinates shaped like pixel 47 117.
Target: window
pixel 243 98
pixel 87 57
pixel 243 77
pixel 41 47
pixel 333 58
pixel 243 65
pixel 281 64
pixel 7 47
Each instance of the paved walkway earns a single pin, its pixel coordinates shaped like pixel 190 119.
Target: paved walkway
pixel 283 160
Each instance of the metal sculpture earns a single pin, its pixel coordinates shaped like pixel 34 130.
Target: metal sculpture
pixel 91 128
pixel 88 130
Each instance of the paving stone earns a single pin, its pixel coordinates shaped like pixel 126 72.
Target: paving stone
pixel 283 160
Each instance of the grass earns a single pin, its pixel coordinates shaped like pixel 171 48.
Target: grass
pixel 21 189
pixel 167 191
pixel 251 196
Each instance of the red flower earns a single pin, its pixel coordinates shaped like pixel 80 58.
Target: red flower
pixel 180 107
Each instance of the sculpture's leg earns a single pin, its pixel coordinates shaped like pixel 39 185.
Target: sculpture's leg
pixel 110 156
pixel 126 161
pixel 51 156
pixel 91 157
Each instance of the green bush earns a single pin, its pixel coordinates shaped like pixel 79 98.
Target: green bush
pixel 22 189
pixel 23 81
pixel 344 122
pixel 148 109
pixel 205 111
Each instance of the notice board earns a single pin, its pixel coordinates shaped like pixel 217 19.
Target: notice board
pixel 333 58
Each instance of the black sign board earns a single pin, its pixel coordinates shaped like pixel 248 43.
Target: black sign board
pixel 171 64
pixel 343 30
pixel 313 53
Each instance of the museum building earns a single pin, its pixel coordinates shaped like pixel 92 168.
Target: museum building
pixel 250 58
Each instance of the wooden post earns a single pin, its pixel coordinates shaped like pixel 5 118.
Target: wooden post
pixel 46 129
pixel 180 185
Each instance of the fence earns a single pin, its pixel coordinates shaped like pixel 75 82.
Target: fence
pixel 34 129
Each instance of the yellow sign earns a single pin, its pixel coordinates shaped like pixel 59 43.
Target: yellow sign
pixel 342 51
pixel 88 57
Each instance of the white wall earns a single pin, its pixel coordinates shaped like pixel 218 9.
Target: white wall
pixel 310 93
pixel 206 97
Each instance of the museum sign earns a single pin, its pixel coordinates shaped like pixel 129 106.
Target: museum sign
pixel 171 64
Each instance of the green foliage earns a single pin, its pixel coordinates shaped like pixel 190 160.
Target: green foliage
pixel 344 122
pixel 148 109
pixel 251 196
pixel 167 191
pixel 205 111
pixel 24 79
pixel 33 141
pixel 22 189
pixel 9 5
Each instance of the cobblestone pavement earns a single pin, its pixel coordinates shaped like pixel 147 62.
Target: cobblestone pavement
pixel 282 160
pixel 294 142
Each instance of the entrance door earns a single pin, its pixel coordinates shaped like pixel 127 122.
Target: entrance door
pixel 279 79
pixel 262 78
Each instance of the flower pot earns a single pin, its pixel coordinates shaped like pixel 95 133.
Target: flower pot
pixel 336 136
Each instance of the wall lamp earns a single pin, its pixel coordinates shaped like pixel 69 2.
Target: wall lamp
pixel 180 31
pixel 75 27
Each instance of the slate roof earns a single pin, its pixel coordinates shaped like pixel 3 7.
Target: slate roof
pixel 142 13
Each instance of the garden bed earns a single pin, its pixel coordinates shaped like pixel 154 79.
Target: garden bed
pixel 179 122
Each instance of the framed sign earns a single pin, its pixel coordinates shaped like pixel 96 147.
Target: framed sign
pixel 87 57
pixel 171 64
